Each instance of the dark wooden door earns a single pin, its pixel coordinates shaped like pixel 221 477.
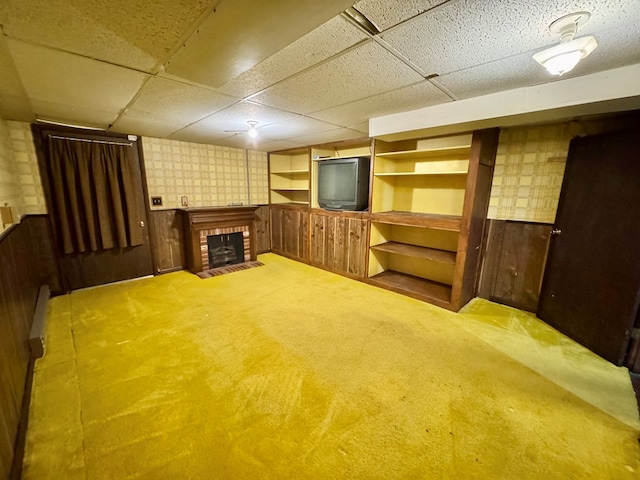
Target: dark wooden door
pixel 289 232
pixel 81 270
pixel 591 285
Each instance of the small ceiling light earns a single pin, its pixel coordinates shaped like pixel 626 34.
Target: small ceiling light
pixel 253 133
pixel 562 58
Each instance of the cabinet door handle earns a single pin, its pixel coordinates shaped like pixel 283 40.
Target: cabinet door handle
pixel 555 231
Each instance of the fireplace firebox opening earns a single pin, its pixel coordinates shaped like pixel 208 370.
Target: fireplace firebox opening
pixel 225 249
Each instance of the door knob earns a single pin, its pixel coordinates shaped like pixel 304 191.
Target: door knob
pixel 555 231
pixel 142 223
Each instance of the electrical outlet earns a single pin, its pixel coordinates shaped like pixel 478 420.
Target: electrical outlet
pixel 185 201
pixel 156 201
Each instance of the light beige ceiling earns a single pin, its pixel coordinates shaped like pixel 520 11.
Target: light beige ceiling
pixel 198 70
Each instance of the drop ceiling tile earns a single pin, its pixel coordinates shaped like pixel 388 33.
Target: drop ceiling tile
pixel 166 99
pixel 360 127
pixel 329 136
pixel 418 95
pixel 364 71
pixel 199 135
pixel 239 34
pixel 134 33
pixel 299 126
pixel 325 41
pixel 82 117
pixel 617 47
pixel 58 77
pixel 236 116
pixel 258 144
pixel 149 127
pixel 14 103
pixel 391 12
pixel 467 33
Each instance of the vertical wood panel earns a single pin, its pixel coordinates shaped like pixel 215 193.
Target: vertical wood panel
pixel 303 235
pixel 262 224
pixel 330 241
pixel 340 256
pixel 168 240
pixel 318 239
pixel 276 229
pixel 27 260
pixel 357 246
pixel 514 263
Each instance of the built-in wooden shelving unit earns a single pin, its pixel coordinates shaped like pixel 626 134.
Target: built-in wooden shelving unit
pixel 424 194
pixel 289 177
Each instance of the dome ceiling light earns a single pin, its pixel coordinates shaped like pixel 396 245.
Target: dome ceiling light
pixel 564 57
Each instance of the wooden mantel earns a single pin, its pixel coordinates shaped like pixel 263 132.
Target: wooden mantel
pixel 210 218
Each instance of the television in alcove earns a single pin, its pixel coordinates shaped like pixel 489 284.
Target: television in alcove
pixel 343 183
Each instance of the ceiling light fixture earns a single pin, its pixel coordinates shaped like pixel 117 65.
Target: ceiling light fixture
pixel 253 133
pixel 562 58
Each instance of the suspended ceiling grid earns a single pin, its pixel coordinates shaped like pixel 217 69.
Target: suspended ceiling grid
pixel 198 70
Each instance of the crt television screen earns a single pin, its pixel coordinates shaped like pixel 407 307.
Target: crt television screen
pixel 337 182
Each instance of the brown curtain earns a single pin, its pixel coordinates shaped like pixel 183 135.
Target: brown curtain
pixel 94 194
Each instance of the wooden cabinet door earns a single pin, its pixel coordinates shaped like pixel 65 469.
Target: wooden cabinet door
pixel 591 287
pixel 289 232
pixel 339 243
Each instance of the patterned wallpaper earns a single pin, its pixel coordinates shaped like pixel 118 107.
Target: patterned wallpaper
pixel 27 166
pixel 208 175
pixel 10 191
pixel 529 169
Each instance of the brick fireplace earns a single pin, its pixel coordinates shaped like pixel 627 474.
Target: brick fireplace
pixel 205 222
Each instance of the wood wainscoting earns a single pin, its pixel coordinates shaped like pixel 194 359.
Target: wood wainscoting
pixel 27 260
pixel 514 260
pixel 339 242
pixel 167 241
pixel 289 231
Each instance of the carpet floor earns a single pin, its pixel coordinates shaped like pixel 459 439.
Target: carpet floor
pixel 290 372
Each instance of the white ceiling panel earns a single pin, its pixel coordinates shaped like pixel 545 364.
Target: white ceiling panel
pixel 617 47
pixel 14 103
pixel 364 71
pixel 422 94
pixel 199 135
pixel 261 144
pixel 236 116
pixel 166 99
pixel 83 117
pixel 299 126
pixel 325 41
pixel 329 136
pixel 145 126
pixel 245 32
pixel 360 127
pixel 392 12
pixel 468 33
pixel 134 33
pixel 58 77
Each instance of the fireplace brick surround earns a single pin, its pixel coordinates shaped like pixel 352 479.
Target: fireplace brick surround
pixel 204 221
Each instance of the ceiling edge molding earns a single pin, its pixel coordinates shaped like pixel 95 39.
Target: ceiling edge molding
pixel 603 92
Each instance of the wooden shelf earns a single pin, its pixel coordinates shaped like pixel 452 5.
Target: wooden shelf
pixel 427 153
pixel 421 288
pixel 338 157
pixel 290 172
pixel 399 174
pixel 299 189
pixel 411 219
pixel 434 254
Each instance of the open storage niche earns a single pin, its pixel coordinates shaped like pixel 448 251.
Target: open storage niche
pixel 347 149
pixel 429 202
pixel 289 177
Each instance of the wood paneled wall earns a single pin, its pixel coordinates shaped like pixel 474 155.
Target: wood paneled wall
pixel 167 240
pixel 263 229
pixel 27 260
pixel 514 260
pixel 339 242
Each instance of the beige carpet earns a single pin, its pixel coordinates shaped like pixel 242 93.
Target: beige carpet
pixel 287 371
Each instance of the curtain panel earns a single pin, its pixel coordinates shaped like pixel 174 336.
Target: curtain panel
pixel 94 195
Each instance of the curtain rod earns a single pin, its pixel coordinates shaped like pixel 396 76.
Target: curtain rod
pixel 90 140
